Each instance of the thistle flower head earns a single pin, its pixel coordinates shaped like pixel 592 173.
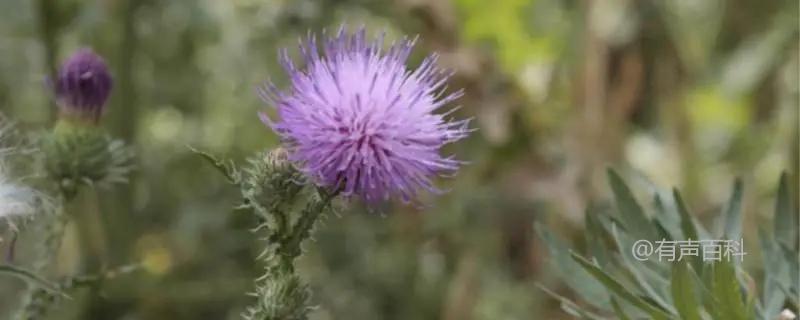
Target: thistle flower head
pixel 83 85
pixel 357 118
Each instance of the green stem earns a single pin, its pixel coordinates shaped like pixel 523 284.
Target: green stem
pixel 54 226
pixel 28 276
pixel 302 230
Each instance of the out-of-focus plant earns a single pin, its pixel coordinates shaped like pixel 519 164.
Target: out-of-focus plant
pixel 356 122
pixel 616 280
pixel 75 153
pixel 19 203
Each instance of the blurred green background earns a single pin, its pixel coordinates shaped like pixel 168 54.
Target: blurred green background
pixel 679 93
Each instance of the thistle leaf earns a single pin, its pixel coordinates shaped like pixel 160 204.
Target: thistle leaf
pixel 226 168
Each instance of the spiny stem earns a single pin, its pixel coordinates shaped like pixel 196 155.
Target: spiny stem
pixel 309 216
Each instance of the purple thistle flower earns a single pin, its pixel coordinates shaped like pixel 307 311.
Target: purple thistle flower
pixel 358 119
pixel 83 85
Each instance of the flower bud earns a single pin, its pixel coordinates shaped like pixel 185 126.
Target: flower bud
pixel 278 159
pixel 83 86
pixel 271 181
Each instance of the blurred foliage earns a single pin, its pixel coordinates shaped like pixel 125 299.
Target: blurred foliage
pixel 674 93
pixel 670 276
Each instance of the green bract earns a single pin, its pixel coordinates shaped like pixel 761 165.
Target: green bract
pixel 78 153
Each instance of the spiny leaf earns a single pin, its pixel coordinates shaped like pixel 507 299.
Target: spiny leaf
pixel 226 168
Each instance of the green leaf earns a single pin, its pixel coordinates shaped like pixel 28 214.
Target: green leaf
pixel 226 168
pixel 727 292
pixel 648 279
pixel 635 220
pixel 733 213
pixel 618 289
pixel 595 241
pixel 793 265
pixel 683 291
pixel 785 216
pixel 688 227
pixel 568 305
pixel 667 219
pixel 618 310
pixel 774 273
pixel 575 277
pixel 687 224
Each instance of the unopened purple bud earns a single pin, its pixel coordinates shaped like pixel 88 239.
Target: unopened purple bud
pixel 83 85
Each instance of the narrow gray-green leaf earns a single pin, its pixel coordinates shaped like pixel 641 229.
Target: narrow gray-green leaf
pixel 684 296
pixel 632 214
pixel 618 289
pixel 733 213
pixel 727 292
pixel 667 219
pixel 688 227
pixel 774 273
pixel 595 240
pixel 649 280
pixel 573 275
pixel 569 306
pixel 785 215
pixel 793 266
pixel 618 310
